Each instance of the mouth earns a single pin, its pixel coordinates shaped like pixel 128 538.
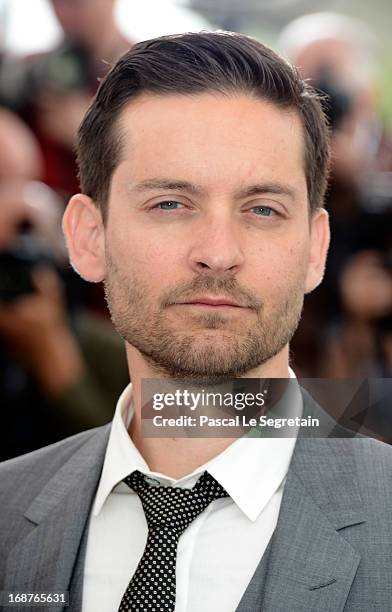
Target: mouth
pixel 212 302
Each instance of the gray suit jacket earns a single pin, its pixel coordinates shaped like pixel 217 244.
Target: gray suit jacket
pixel 331 550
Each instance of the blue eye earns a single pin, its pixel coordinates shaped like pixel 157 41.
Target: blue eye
pixel 263 211
pixel 169 205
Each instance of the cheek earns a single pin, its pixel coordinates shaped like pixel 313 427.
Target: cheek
pixel 144 262
pixel 138 248
pixel 276 268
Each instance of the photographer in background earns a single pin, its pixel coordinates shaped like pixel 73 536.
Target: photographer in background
pixel 336 53
pixel 60 367
pixel 52 91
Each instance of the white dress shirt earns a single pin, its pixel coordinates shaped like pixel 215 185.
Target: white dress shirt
pixel 219 552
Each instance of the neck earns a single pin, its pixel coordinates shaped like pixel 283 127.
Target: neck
pixel 178 457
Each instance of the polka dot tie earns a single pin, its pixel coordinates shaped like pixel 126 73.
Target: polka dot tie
pixel 169 511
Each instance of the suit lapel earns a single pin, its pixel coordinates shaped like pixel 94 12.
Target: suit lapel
pixel 44 559
pixel 308 564
pixel 311 566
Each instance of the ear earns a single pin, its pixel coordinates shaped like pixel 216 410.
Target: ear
pixel 85 235
pixel 319 243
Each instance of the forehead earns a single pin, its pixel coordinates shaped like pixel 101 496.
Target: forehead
pixel 212 136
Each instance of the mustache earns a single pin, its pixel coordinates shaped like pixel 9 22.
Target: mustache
pixel 226 286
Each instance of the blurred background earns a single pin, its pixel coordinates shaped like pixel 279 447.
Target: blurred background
pixel 62 366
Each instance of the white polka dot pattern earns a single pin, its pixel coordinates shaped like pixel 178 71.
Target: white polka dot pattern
pixel 169 511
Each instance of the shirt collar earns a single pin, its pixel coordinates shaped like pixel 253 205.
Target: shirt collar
pixel 250 469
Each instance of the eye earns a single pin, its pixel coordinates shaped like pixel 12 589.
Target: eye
pixel 262 211
pixel 169 205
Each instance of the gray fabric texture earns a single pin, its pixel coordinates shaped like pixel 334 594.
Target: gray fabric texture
pixel 331 550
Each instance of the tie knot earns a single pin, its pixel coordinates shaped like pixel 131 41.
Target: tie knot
pixel 173 507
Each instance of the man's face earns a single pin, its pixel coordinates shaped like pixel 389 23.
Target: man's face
pixel 207 242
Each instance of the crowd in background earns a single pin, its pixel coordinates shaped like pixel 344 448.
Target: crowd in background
pixel 62 366
pixel 346 328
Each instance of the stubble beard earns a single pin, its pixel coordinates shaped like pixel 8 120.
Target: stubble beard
pixel 213 354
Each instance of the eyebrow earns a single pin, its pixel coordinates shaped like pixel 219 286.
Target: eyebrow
pixel 178 185
pixel 169 185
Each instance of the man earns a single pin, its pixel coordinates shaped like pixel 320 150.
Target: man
pixel 203 163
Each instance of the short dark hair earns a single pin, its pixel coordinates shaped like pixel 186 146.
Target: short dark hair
pixel 193 63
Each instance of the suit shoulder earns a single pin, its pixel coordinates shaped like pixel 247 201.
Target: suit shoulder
pixel 372 453
pixel 44 462
pixel 373 466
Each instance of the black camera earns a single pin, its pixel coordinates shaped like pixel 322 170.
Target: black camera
pixel 337 102
pixel 64 70
pixel 17 264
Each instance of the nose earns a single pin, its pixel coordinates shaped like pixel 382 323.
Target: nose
pixel 216 244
